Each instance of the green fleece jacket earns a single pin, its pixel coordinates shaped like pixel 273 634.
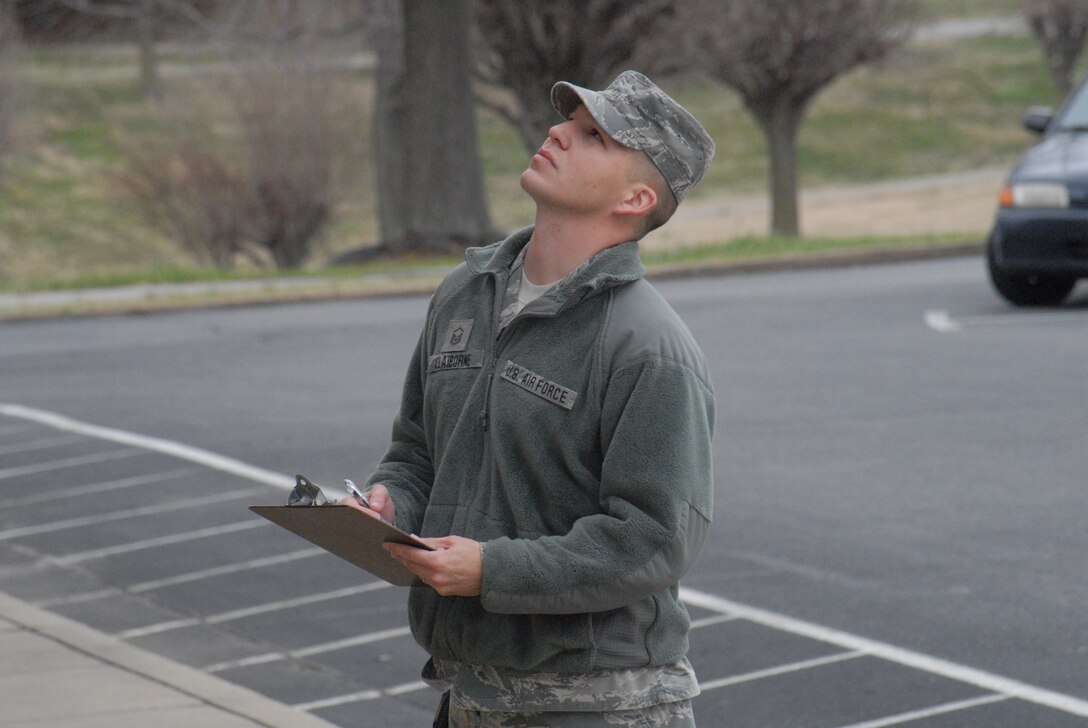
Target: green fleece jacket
pixel 577 444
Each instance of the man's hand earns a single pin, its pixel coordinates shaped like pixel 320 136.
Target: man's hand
pixel 453 569
pixel 381 505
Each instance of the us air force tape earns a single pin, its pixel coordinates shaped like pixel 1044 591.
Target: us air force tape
pixel 538 385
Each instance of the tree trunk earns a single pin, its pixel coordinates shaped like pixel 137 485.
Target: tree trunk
pixel 390 141
pixel 780 120
pixel 444 196
pixel 150 79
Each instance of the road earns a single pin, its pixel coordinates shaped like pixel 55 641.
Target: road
pixel 900 467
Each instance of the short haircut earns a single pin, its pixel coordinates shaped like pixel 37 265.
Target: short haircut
pixel 644 170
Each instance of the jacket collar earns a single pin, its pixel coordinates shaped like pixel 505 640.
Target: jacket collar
pixel 610 267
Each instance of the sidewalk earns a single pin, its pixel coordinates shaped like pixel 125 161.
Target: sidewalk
pixel 55 672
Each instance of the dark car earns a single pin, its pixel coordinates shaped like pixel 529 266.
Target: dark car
pixel 1039 244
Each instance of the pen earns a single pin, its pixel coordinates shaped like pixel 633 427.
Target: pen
pixel 357 494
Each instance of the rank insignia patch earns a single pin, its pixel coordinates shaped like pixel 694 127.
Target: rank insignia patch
pixel 457 333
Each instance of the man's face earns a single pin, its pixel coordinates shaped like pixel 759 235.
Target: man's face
pixel 579 168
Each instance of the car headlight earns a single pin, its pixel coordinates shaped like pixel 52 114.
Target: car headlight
pixel 1034 194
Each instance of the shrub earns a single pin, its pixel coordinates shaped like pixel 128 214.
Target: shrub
pixel 263 193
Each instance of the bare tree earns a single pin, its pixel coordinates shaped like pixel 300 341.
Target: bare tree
pixel 779 54
pixel 1061 26
pixel 9 46
pixel 531 44
pixel 430 180
pixel 148 18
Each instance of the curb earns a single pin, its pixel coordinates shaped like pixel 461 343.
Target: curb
pixel 212 691
pixel 161 298
pixel 835 259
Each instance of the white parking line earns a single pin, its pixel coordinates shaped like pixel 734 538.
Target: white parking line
pixel 254 610
pixel 342 700
pixel 298 601
pixel 151 543
pixel 178 505
pixel 13 429
pixel 362 695
pixel 166 447
pixel 93 488
pixel 363 639
pixel 395 690
pixel 926 663
pixel 942 322
pixel 42 444
pixel 779 670
pixel 98 457
pixel 146 586
pixel 937 666
pixel 929 712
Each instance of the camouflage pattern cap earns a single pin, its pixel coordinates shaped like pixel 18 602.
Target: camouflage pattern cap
pixel 639 115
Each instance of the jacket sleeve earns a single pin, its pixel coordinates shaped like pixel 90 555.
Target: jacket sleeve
pixel 406 468
pixel 656 497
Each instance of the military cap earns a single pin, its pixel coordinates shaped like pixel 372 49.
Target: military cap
pixel 639 115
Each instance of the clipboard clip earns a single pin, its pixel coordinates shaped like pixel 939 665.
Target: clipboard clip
pixel 305 493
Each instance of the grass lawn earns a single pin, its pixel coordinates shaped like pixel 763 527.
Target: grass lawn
pixel 938 106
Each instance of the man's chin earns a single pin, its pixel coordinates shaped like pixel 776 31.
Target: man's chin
pixel 526 181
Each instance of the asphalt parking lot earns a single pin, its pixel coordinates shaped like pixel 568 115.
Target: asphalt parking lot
pixel 130 448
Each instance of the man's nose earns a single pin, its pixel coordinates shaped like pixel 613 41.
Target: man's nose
pixel 561 134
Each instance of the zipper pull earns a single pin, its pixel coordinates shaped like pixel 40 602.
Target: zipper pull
pixel 483 418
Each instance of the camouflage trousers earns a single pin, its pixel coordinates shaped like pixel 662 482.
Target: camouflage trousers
pixel 666 715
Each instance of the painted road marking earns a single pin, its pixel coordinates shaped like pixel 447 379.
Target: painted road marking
pixel 390 692
pixel 43 444
pixel 929 712
pixel 363 639
pixel 364 695
pixel 224 569
pixel 942 322
pixel 145 586
pixel 780 670
pixel 150 543
pixel 179 505
pixel 93 488
pixel 166 447
pixel 253 611
pixel 926 663
pixel 98 457
pixel 13 429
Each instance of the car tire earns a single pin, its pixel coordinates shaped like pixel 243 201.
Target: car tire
pixel 1027 289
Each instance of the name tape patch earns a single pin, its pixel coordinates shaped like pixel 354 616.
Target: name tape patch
pixel 457 360
pixel 538 385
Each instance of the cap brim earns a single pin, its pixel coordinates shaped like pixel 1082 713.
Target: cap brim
pixel 566 97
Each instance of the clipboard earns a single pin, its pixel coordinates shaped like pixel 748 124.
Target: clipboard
pixel 350 534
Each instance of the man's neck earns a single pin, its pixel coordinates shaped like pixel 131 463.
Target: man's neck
pixel 560 244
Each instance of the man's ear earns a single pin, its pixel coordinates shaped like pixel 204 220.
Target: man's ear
pixel 640 200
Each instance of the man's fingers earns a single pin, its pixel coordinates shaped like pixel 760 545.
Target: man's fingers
pixel 350 501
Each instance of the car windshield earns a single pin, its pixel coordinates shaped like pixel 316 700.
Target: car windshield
pixel 1075 115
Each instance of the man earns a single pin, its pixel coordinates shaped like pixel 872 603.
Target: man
pixel 553 442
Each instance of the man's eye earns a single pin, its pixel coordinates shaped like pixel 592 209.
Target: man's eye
pixel 596 134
